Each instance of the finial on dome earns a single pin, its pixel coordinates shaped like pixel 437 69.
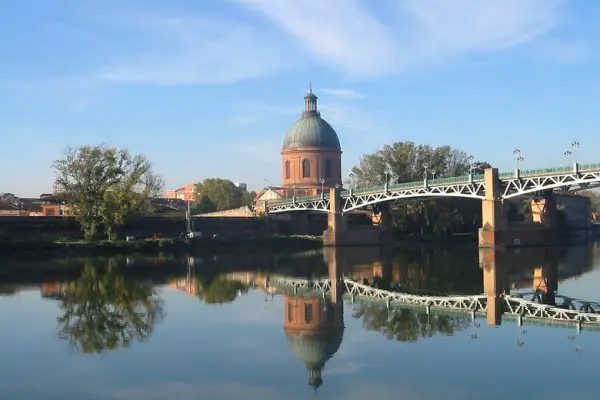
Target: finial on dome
pixel 310 86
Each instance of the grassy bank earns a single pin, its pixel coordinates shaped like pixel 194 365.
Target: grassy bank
pixel 274 244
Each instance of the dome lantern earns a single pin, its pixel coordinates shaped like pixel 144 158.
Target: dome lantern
pixel 310 104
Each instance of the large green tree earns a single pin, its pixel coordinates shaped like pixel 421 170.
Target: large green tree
pixel 104 185
pixel 216 194
pixel 408 162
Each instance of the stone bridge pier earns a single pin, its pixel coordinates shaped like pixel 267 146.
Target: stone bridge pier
pixel 338 232
pixel 497 231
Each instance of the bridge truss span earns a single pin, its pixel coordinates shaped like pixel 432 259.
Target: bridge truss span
pixel 352 201
pixel 514 306
pixel 570 182
pixel 320 204
pixel 528 309
pixel 464 303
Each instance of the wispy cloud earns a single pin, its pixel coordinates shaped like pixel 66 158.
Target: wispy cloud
pixel 188 50
pixel 351 37
pixel 349 94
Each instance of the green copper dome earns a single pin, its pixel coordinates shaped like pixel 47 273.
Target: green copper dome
pixel 311 130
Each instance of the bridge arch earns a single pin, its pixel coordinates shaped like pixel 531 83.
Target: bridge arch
pixel 360 201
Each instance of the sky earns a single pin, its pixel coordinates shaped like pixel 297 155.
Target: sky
pixel 209 88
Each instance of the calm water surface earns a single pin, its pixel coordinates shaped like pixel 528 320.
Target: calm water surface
pixel 179 327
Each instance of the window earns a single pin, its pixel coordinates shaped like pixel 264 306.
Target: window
pixel 308 313
pixel 287 169
pixel 306 169
pixel 290 312
pixel 327 168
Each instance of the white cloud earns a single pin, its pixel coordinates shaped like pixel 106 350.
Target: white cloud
pixel 349 94
pixel 196 51
pixel 349 36
pixel 339 32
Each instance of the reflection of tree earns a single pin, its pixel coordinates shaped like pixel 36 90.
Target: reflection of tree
pixel 438 270
pixel 104 310
pixel 219 290
pixel 407 325
pixel 8 290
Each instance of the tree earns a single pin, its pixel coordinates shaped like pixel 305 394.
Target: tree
pixel 409 162
pixel 216 194
pixel 104 185
pixel 219 291
pixel 104 310
pixel 248 198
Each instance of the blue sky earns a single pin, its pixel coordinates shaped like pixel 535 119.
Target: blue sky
pixel 209 88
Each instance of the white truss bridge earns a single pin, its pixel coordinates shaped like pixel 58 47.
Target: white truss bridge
pixel 513 306
pixel 518 183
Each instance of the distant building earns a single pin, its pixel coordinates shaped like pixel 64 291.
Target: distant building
pixel 267 194
pixel 242 186
pixel 56 189
pixel 185 193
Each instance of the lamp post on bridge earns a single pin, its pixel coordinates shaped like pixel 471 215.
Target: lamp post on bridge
pixel 518 157
pixel 386 180
pixel 574 149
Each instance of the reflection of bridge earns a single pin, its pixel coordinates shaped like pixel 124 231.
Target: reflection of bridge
pixel 492 188
pixel 512 306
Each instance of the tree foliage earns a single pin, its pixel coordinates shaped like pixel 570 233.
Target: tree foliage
pixel 104 310
pixel 220 290
pixel 103 185
pixel 216 194
pixel 409 162
pixel 407 325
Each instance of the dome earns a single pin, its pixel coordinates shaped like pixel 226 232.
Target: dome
pixel 311 130
pixel 314 349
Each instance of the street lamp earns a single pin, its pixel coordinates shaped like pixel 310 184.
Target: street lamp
pixel 568 154
pixel 575 148
pixel 322 185
pixel 518 157
pixel 352 181
pixel 425 166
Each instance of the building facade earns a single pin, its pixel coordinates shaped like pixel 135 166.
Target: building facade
pixel 311 156
pixel 185 193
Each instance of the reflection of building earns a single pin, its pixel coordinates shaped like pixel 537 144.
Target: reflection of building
pixel 314 327
pixel 52 290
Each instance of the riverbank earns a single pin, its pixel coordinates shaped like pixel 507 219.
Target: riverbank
pixel 271 243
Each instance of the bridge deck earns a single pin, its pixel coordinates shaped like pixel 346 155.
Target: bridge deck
pixel 515 182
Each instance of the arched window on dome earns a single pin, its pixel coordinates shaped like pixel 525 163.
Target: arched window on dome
pixel 287 169
pixel 308 313
pixel 306 168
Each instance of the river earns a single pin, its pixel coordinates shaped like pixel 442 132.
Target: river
pixel 181 327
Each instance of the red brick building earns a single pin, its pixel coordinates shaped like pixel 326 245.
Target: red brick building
pixel 185 193
pixel 311 154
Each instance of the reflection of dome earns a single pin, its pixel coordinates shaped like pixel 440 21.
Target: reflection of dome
pixel 314 349
pixel 314 329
